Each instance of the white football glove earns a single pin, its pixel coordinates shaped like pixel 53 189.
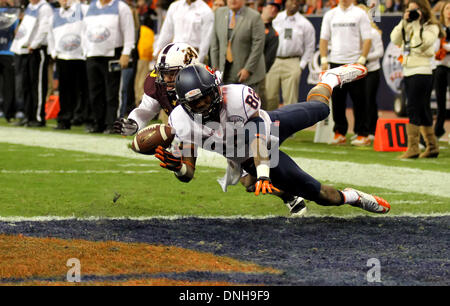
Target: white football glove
pixel 125 127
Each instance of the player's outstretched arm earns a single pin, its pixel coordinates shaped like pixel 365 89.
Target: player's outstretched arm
pixel 260 154
pixel 182 166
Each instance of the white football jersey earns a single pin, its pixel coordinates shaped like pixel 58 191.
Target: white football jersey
pixel 240 103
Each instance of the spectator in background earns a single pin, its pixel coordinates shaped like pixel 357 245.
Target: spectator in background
pixel 161 7
pixel 312 7
pixel 328 5
pixel 373 76
pixel 348 29
pixel 30 42
pixel 127 101
pixel 83 110
pixel 252 4
pixel 297 42
pixel 215 5
pixel 218 3
pixel 255 4
pixel 237 44
pixel 146 38
pixel 442 73
pixel 393 6
pixel 64 44
pixel 10 19
pixel 268 13
pixel 109 38
pixel 416 34
pixel 188 21
pixel 436 8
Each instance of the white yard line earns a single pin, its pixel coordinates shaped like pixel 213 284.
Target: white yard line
pixel 402 179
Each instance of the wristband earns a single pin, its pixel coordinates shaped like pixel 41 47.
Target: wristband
pixel 324 60
pixel 262 170
pixel 362 60
pixel 182 171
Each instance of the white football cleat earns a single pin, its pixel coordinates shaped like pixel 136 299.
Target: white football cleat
pixel 338 139
pixel 371 203
pixel 361 141
pixel 346 73
pixel 297 207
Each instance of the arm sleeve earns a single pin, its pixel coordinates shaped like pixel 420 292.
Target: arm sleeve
pixel 43 26
pixel 145 112
pixel 365 29
pixel 84 9
pixel 310 45
pixel 214 46
pixel 325 32
pixel 166 34
pixel 51 49
pixel 270 51
pixel 127 28
pixel 429 36
pixel 396 34
pixel 377 49
pixel 258 37
pixel 207 26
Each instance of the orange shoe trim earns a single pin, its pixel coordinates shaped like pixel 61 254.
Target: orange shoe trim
pixel 383 203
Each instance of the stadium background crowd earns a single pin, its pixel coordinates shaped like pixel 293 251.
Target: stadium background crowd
pixel 260 52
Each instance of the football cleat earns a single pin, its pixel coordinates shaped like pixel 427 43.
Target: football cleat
pixel 361 141
pixel 297 207
pixel 346 73
pixel 371 203
pixel 338 139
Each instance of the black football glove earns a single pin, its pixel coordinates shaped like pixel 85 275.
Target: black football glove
pixel 264 184
pixel 125 127
pixel 168 160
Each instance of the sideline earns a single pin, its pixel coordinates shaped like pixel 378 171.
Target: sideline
pixel 401 179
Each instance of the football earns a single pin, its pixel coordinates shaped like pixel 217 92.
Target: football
pixel 149 138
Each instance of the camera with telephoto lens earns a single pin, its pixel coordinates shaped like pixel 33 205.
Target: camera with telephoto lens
pixel 413 15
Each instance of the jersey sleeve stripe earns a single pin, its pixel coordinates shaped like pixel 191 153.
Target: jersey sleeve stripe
pixel 243 102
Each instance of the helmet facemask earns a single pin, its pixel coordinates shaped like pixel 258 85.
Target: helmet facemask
pixel 208 104
pixel 167 76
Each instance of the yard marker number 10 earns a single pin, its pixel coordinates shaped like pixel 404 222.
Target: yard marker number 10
pixel 391 135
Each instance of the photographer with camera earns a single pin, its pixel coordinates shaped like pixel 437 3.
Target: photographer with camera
pixel 416 34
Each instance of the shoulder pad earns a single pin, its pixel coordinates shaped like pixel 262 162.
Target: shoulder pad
pixel 150 84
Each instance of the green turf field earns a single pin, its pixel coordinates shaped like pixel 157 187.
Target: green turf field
pixel 41 179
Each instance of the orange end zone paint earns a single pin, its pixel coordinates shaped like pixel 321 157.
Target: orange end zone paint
pixel 24 257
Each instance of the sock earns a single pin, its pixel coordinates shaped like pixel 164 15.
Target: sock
pixel 321 92
pixel 330 79
pixel 350 196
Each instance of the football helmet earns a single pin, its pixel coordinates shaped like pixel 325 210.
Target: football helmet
pixel 171 59
pixel 198 92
